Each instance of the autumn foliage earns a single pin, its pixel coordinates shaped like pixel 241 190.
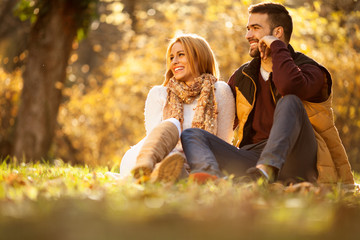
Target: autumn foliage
pixel 112 68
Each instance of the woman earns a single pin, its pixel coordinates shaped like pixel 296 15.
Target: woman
pixel 190 96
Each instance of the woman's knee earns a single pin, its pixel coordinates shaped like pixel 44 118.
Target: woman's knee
pixel 176 123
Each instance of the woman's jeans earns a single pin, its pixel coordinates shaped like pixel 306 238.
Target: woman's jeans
pixel 291 147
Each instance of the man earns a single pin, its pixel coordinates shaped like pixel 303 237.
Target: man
pixel 285 125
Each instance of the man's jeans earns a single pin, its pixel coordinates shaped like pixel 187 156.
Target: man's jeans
pixel 291 147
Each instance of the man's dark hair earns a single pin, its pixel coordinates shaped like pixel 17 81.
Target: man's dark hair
pixel 278 16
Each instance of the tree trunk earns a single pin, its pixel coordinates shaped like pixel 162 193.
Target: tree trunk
pixel 130 8
pixel 49 49
pixel 6 17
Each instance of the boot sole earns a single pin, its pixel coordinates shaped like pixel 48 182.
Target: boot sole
pixel 139 172
pixel 169 169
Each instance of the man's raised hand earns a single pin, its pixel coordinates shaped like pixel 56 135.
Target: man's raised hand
pixel 264 46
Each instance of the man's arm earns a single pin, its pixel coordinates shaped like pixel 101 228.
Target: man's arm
pixel 305 81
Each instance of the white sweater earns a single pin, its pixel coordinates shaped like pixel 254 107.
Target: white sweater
pixel 155 104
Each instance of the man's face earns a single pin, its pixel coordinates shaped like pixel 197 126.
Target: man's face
pixel 258 26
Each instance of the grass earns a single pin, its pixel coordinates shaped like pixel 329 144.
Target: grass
pixel 43 201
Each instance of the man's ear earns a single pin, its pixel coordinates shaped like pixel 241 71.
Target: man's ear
pixel 279 32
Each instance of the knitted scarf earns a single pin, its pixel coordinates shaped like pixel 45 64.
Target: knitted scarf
pixel 205 116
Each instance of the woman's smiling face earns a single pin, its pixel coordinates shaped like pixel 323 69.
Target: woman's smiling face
pixel 179 64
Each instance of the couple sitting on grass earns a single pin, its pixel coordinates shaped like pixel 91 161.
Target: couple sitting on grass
pixel 280 102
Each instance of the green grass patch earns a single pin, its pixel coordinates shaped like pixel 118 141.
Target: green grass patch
pixel 42 201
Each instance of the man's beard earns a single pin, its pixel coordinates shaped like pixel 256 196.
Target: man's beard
pixel 254 53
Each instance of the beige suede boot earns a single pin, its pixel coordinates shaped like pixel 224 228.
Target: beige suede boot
pixel 158 144
pixel 169 169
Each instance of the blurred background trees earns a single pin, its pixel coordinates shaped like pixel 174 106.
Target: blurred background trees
pixel 118 54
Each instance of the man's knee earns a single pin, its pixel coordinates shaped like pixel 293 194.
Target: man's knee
pixel 291 100
pixel 191 133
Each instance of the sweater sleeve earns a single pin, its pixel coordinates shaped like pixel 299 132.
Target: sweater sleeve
pixel 305 81
pixel 226 111
pixel 154 106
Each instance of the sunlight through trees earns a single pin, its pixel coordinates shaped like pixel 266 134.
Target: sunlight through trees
pixel 119 54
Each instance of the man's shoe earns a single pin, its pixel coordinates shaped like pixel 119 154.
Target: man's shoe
pixel 254 174
pixel 202 177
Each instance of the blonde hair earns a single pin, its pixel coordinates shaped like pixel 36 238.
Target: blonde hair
pixel 200 56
